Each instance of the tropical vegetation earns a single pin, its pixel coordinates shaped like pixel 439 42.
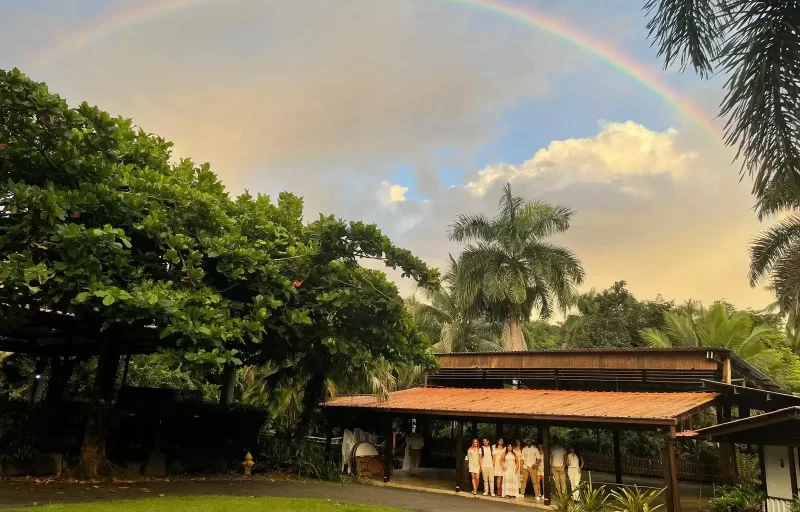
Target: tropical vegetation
pixel 509 270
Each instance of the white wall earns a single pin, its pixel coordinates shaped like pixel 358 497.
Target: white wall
pixel 779 483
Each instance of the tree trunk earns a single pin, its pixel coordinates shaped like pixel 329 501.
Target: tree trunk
pixel 513 339
pixel 93 450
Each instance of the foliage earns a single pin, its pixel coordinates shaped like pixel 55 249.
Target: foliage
pixel 634 499
pixel 303 458
pixel 757 44
pixel 774 253
pixel 736 499
pixel 28 430
pixel 452 323
pixel 748 470
pixel 508 268
pixel 541 335
pixel 613 318
pixel 593 499
pixel 217 504
pixel 99 224
pixel 717 327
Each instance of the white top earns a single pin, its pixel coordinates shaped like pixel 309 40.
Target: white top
pixel 486 460
pixel 557 453
pixel 531 456
pixel 573 461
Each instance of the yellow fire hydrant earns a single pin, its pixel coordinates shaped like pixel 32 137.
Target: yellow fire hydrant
pixel 247 464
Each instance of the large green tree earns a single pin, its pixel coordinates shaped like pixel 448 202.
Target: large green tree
pixel 612 318
pixel 101 225
pixel 509 266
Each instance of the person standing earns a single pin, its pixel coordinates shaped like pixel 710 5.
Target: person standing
pixel 415 443
pixel 574 467
pixel 521 459
pixel 474 463
pixel 530 457
pixel 510 473
pixel 540 472
pixel 487 467
pixel 499 452
pixel 558 459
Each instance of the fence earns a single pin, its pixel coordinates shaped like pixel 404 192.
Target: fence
pixel 776 505
pixel 688 470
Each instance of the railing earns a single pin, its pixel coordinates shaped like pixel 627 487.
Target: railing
pixel 776 505
pixel 688 470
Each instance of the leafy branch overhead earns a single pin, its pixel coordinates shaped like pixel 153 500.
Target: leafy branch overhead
pixel 756 43
pixel 101 223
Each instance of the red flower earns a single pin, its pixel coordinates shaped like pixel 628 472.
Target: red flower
pixel 42 117
pixel 3 145
pixel 75 215
pixel 298 283
pixel 187 278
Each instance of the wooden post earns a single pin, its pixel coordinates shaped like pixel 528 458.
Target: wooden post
pixel 474 429
pixel 388 450
pixel 762 463
pixel 228 385
pixel 459 452
pixel 498 431
pixel 617 458
pixel 671 472
pixel 792 471
pixel 126 370
pixel 517 433
pixel 328 437
pixel 727 457
pixel 546 457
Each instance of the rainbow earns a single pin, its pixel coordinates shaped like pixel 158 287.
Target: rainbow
pixel 606 53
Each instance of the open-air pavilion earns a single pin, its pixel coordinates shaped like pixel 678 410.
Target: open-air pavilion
pixel 609 410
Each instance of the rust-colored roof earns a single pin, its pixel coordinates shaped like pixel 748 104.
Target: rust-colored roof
pixel 536 404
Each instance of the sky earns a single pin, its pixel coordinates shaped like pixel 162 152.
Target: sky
pixel 408 112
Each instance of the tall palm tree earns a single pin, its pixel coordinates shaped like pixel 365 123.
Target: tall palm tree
pixel 717 328
pixel 510 268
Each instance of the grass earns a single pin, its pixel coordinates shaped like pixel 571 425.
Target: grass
pixel 214 504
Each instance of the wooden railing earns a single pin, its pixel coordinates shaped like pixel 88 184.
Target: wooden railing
pixel 776 505
pixel 688 470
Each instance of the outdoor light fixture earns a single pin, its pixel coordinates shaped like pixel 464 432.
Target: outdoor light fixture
pixel 38 376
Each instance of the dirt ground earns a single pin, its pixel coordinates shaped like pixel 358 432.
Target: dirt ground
pixel 21 493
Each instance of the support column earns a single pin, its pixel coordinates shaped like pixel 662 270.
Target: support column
pixel 459 452
pixel 517 433
pixel 328 438
pixel 39 380
pixel 388 449
pixel 727 455
pixel 474 431
pixel 498 431
pixel 762 466
pixel 617 458
pixel 228 385
pixel 792 471
pixel 126 369
pixel 546 457
pixel 671 472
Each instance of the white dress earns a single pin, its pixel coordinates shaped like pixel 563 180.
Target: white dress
pixel 510 476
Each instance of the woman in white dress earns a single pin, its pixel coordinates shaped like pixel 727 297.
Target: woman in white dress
pixel 510 473
pixel 574 466
pixel 499 450
pixel 474 463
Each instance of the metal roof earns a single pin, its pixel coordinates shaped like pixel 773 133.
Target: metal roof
pixel 536 404
pixel 590 350
pixel 763 400
pixel 781 427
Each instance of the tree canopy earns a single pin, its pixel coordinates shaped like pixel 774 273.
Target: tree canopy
pixel 509 267
pixel 100 224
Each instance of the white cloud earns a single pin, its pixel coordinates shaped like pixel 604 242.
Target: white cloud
pixel 389 193
pixel 619 151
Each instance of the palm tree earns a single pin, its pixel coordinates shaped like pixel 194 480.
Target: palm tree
pixel 508 269
pixel 715 327
pixel 758 45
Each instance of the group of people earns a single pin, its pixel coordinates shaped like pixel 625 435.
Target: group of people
pixel 506 469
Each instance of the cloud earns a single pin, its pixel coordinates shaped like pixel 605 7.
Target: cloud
pixel 618 151
pixel 389 193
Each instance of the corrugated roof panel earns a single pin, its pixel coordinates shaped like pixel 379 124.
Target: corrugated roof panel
pixel 541 404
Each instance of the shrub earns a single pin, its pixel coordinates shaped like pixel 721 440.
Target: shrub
pixel 736 499
pixel 593 500
pixel 634 499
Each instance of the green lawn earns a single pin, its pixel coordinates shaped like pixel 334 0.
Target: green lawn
pixel 214 504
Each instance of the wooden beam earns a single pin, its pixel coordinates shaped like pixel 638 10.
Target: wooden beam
pixel 617 458
pixel 792 471
pixel 328 438
pixel 546 458
pixel 726 369
pixel 671 472
pixel 459 452
pixel 388 449
pixel 228 385
pixel 762 466
pixel 39 379
pixel 498 431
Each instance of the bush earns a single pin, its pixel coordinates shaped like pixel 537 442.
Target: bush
pixel 736 499
pixel 634 499
pixel 305 458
